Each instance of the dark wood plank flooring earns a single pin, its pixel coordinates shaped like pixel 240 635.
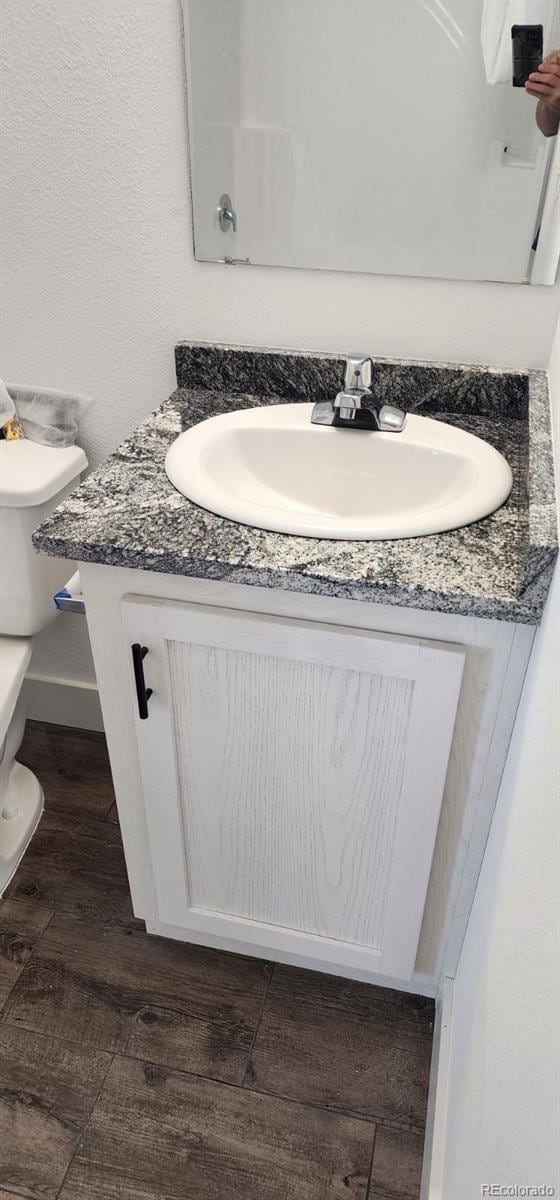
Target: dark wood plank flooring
pixel 137 1068
pixel 21 926
pixel 48 1090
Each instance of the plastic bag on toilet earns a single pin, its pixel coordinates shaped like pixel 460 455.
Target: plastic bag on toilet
pixel 48 416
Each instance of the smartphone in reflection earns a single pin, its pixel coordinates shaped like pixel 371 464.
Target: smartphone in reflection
pixel 526 50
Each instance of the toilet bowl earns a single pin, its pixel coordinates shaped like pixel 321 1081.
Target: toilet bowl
pixel 21 795
pixel 33 480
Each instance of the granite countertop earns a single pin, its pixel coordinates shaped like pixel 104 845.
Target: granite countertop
pixel 127 514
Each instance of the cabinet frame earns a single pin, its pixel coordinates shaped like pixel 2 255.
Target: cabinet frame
pixel 497 653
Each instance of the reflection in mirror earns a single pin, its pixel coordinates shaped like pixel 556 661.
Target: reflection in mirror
pixel 391 136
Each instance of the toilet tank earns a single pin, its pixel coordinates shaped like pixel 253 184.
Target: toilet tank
pixel 33 480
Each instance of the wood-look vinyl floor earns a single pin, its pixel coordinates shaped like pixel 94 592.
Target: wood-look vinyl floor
pixel 137 1068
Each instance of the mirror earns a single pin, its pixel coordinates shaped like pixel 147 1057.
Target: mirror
pixel 383 136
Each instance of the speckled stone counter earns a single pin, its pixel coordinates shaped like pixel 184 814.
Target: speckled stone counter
pixel 127 513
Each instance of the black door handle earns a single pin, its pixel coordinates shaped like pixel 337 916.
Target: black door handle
pixel 142 692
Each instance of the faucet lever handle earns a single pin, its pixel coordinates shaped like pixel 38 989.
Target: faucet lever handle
pixel 358 373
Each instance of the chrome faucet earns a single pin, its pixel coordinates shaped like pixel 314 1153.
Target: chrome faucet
pixel 355 406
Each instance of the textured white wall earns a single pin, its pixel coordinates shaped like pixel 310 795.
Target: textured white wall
pixel 504 1097
pixel 98 274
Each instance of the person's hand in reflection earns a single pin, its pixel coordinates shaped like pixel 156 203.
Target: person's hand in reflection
pixel 544 84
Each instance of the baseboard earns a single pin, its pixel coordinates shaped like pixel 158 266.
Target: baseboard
pixel 62 702
pixel 436 1117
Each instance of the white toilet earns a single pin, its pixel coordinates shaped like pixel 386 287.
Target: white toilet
pixel 33 480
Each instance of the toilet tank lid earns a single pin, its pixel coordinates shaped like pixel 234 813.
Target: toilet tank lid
pixel 31 474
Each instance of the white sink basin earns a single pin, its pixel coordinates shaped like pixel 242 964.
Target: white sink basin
pixel 271 468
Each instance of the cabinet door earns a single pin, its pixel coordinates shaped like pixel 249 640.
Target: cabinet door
pixel 293 774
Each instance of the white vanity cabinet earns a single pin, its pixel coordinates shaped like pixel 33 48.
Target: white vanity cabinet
pixel 292 778
pixel 316 776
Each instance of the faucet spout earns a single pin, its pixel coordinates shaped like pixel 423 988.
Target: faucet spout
pixel 355 405
pixel 351 401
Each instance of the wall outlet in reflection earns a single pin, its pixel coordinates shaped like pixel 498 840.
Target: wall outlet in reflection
pixel 518 158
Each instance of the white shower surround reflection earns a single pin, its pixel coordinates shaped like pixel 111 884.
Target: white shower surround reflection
pixel 362 135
